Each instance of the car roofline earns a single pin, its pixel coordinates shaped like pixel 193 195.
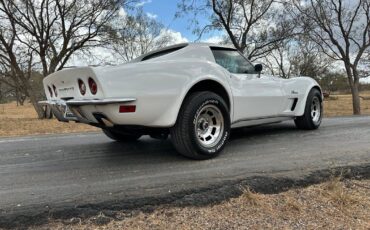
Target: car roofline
pixel 214 45
pixel 181 45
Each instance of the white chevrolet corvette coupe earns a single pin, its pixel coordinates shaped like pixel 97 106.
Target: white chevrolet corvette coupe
pixel 196 93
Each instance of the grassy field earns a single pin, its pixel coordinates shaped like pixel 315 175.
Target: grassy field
pixel 332 205
pixel 22 120
pixel 341 105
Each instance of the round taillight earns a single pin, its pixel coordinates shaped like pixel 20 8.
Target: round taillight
pixel 50 91
pixel 93 86
pixel 55 90
pixel 82 87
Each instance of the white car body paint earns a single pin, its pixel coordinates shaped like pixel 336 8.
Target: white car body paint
pixel 159 86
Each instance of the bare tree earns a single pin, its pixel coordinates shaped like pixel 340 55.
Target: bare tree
pixel 278 60
pixel 16 63
pixel 364 65
pixel 298 56
pixel 308 60
pixel 45 34
pixel 342 29
pixel 254 27
pixel 137 34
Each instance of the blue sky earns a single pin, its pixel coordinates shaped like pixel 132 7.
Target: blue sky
pixel 165 10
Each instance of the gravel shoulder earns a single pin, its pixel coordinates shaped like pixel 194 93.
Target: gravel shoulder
pixel 335 204
pixel 333 198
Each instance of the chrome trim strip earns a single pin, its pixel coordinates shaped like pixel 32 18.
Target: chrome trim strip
pixel 99 101
pixel 262 118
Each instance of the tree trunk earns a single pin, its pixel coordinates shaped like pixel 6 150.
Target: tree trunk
pixel 356 100
pixel 33 98
pixel 354 85
pixel 39 110
pixel 17 96
pixel 48 112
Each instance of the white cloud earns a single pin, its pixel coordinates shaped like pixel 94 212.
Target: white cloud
pixel 152 16
pixel 142 3
pixel 214 39
pixel 365 80
pixel 121 12
pixel 175 36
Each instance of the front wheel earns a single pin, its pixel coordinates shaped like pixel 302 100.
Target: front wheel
pixel 202 127
pixel 313 112
pixel 121 137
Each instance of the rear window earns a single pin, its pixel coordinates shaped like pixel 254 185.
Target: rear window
pixel 162 53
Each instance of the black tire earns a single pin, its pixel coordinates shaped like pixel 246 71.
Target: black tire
pixel 307 121
pixel 121 137
pixel 184 134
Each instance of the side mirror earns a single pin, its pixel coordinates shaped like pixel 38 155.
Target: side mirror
pixel 258 68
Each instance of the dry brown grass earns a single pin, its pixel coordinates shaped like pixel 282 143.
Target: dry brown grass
pixel 22 120
pixel 332 205
pixel 341 105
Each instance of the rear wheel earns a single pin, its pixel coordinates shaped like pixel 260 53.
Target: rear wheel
pixel 202 127
pixel 121 137
pixel 313 112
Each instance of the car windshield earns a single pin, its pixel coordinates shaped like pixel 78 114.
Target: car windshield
pixel 233 61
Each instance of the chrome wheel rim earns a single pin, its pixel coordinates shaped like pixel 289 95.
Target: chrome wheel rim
pixel 209 126
pixel 316 110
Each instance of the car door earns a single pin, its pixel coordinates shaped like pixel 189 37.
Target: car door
pixel 255 96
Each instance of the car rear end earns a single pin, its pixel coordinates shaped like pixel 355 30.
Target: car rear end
pixel 76 94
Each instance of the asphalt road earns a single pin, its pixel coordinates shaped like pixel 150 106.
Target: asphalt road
pixel 51 172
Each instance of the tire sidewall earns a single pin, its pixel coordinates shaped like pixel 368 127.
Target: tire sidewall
pixel 314 93
pixel 217 101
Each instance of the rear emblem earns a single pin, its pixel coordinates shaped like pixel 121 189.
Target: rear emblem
pixel 66 89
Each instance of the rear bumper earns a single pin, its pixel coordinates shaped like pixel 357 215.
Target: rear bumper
pixel 99 101
pixel 60 110
pixel 66 111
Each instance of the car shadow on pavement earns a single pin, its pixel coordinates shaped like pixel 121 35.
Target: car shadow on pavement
pixel 144 149
pixel 283 128
pixel 153 150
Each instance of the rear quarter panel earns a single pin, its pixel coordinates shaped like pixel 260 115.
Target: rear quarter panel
pixel 159 87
